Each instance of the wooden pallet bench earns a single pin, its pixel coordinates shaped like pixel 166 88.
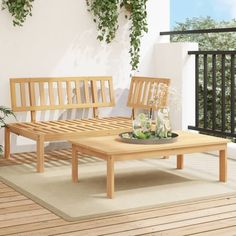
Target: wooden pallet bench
pixel 43 94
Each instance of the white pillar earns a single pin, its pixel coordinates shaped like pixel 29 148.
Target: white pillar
pixel 172 61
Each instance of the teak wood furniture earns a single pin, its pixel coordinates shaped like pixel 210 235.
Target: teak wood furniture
pixel 42 94
pixel 118 151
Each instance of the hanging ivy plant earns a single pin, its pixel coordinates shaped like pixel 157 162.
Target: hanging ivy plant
pixel 19 9
pixel 106 12
pixel 138 17
pixel 139 26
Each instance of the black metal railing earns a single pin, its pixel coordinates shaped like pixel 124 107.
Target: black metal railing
pixel 215 92
pixel 214 88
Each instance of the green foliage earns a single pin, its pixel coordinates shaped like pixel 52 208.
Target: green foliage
pixel 4 113
pixel 19 9
pixel 211 41
pixel 106 12
pixel 139 26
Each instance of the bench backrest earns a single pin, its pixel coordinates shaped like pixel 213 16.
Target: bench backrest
pixel 38 94
pixel 142 90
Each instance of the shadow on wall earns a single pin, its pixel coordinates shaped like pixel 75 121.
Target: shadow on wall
pixel 75 52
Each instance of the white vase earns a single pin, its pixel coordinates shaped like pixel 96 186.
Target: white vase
pixel 163 127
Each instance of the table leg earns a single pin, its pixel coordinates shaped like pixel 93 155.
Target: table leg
pixel 74 164
pixel 223 166
pixel 180 161
pixel 110 177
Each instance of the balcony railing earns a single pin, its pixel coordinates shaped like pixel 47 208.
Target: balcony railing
pixel 215 92
pixel 214 88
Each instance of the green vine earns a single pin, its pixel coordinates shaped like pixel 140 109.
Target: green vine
pixel 139 26
pixel 106 12
pixel 19 9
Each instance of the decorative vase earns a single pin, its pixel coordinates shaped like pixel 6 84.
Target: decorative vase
pixel 163 127
pixel 142 126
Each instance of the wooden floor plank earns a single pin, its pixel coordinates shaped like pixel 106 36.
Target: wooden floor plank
pixel 197 228
pixel 27 220
pixel 147 226
pixel 140 230
pixel 229 231
pixel 21 216
pixel 113 225
pixel 28 207
pixel 26 229
pixel 18 215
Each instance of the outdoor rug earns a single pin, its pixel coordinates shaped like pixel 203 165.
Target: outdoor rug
pixel 138 184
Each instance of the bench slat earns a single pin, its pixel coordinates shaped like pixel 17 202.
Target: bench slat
pixel 22 94
pixel 77 91
pixel 42 94
pixel 68 90
pixel 61 93
pixel 51 93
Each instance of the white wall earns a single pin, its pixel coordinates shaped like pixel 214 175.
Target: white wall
pixel 173 61
pixel 60 40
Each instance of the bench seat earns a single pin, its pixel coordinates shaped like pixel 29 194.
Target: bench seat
pixel 64 129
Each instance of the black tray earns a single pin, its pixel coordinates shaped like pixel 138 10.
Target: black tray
pixel 151 140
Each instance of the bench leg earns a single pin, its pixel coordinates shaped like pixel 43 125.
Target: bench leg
pixel 74 164
pixel 110 177
pixel 180 161
pixel 223 166
pixel 40 154
pixel 7 143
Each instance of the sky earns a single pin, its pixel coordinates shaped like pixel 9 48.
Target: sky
pixel 217 9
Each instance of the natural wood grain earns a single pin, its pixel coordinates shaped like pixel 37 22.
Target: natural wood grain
pixel 42 94
pixel 40 154
pixel 116 151
pixel 7 143
pixel 61 130
pixel 51 93
pixel 141 92
pixel 211 216
pixel 110 177
pixel 22 94
pixel 223 166
pixel 32 100
pixel 68 91
pixel 47 93
pixel 74 164
pixel 180 161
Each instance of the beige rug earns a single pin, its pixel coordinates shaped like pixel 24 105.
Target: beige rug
pixel 138 184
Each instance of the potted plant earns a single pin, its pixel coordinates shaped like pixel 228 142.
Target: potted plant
pixel 4 113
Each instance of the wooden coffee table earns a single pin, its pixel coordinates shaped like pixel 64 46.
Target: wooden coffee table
pixel 111 149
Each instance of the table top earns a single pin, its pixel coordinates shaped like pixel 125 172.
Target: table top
pixel 112 145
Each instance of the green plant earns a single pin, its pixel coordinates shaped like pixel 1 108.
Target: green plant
pixel 19 9
pixel 106 12
pixel 4 113
pixel 138 17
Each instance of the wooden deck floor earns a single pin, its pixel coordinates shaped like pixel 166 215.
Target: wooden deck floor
pixel 21 216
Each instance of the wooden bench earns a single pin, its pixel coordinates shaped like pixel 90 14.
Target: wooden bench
pixel 43 94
